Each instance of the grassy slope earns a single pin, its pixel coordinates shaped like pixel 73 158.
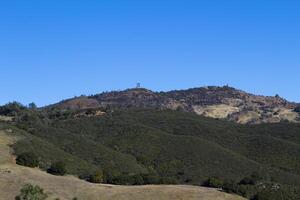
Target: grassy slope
pixel 13 177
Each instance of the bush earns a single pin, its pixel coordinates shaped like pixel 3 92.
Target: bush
pixel 215 183
pixel 230 186
pixel 98 177
pixel 264 195
pixel 168 180
pixel 151 179
pixel 248 181
pixel 28 159
pixel 57 168
pixel 30 192
pixel 126 179
pixel 138 179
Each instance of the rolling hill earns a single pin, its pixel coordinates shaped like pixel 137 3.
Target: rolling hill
pixel 13 177
pixel 140 137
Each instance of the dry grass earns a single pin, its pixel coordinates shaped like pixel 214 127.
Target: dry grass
pixel 5 118
pixel 221 111
pixel 5 150
pixel 13 177
pixel 247 117
pixel 288 114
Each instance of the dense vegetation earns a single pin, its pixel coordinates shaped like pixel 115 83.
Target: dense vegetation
pixel 57 168
pixel 137 147
pixel 27 159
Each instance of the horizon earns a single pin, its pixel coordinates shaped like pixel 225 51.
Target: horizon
pixel 55 50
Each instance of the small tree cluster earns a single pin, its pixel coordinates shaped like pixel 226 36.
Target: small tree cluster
pixel 11 109
pixel 213 182
pixel 58 169
pixel 27 159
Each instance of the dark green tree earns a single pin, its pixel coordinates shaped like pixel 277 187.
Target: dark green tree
pixel 57 168
pixel 32 106
pixel 27 159
pixel 215 182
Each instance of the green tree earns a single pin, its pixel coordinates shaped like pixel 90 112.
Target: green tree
pixel 27 159
pixel 215 182
pixel 98 177
pixel 57 168
pixel 138 179
pixel 30 192
pixel 248 181
pixel 32 106
pixel 11 109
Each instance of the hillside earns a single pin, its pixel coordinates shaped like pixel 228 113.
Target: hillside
pixel 216 102
pixel 137 137
pixel 173 144
pixel 13 177
pixel 136 146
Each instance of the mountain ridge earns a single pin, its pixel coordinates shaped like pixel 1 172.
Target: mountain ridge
pixel 211 101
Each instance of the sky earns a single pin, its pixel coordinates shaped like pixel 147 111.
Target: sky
pixel 56 49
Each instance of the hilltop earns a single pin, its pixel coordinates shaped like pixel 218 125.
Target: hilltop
pixel 216 102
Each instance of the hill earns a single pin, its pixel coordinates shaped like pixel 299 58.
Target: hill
pixel 13 177
pixel 136 146
pixel 216 102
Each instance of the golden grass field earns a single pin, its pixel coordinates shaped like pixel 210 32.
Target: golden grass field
pixel 13 177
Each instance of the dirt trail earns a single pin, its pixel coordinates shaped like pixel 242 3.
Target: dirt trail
pixel 13 177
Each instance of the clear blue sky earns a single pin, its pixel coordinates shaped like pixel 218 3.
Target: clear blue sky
pixel 55 49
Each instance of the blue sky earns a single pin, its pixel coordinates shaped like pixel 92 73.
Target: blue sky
pixel 56 49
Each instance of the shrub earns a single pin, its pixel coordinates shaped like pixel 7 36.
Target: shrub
pixel 126 179
pixel 230 186
pixel 215 183
pixel 248 181
pixel 256 177
pixel 138 179
pixel 57 168
pixel 168 180
pixel 264 195
pixel 151 179
pixel 98 177
pixel 30 192
pixel 27 159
